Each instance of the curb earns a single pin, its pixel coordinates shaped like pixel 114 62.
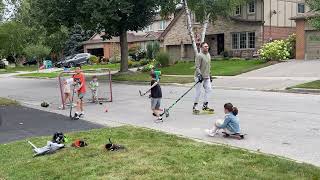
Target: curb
pixel 304 90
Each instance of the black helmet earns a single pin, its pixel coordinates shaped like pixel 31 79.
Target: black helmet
pixel 58 137
pixel 44 104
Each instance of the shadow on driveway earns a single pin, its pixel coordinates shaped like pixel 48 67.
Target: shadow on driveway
pixel 18 122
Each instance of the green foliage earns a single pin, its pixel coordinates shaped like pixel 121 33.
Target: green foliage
pixel 38 51
pixel 291 43
pixel 114 59
pixel 314 6
pixel 153 49
pixel 94 59
pixel 144 62
pixel 163 58
pixel 275 51
pixel 14 36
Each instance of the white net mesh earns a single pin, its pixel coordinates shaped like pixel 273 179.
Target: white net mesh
pixel 98 85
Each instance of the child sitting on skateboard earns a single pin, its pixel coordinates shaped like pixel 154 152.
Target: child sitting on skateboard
pixel 230 124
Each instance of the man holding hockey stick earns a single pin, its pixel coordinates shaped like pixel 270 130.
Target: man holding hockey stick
pixel 202 75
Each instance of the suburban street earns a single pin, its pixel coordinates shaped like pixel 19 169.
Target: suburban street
pixel 284 124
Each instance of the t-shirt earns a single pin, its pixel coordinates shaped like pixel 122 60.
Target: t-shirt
pixel 94 85
pixel 80 79
pixel 203 65
pixel 67 88
pixel 156 90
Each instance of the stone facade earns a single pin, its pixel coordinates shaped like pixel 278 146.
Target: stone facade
pixel 227 28
pixel 178 37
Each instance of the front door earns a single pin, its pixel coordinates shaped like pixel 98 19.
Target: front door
pixel 220 43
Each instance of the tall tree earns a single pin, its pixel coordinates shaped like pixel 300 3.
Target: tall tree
pixel 315 6
pixel 37 51
pixel 76 37
pixel 114 17
pixel 14 37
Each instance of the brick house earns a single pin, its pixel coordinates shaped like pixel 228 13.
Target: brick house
pixel 109 48
pixel 241 35
pixel 308 38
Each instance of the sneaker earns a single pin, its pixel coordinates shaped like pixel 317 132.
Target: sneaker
pixel 210 132
pixel 206 108
pixel 159 119
pixel 81 114
pixel 76 116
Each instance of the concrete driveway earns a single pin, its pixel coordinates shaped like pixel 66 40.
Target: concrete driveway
pixel 275 77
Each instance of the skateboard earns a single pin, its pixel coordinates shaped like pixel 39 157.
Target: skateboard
pixel 236 136
pixel 203 112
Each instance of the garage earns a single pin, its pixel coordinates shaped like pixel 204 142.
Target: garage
pixel 312 45
pixel 308 38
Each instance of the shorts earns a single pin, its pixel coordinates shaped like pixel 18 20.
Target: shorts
pixel 81 95
pixel 155 103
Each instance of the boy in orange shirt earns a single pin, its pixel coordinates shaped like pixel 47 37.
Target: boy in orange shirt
pixel 80 88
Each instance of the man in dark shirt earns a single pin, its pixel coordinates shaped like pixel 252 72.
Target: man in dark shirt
pixel 156 96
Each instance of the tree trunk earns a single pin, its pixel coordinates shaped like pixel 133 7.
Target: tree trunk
pixel 204 28
pixel 124 51
pixel 189 23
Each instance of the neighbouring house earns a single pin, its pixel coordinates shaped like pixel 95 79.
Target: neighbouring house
pixel 308 38
pixel 241 34
pixel 109 48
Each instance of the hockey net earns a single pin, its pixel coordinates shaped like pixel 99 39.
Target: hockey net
pixel 104 90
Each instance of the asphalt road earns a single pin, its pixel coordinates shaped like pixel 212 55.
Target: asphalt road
pixel 277 123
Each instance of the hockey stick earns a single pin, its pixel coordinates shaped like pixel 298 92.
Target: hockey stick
pixel 142 94
pixel 35 147
pixel 71 104
pixel 166 111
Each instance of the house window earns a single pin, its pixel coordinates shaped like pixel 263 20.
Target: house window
pixel 238 10
pixel 235 41
pixel 162 25
pixel 251 7
pixel 243 40
pixel 301 7
pixel 251 40
pixel 148 28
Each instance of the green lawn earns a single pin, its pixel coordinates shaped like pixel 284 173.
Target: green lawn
pixel 145 77
pixel 99 66
pixel 218 67
pixel 8 102
pixel 309 85
pixel 41 75
pixel 19 68
pixel 150 155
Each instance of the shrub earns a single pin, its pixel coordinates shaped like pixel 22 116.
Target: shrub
pixel 163 58
pixel 94 59
pixel 130 63
pixel 141 54
pixel 153 49
pixel 114 59
pixel 275 51
pixel 225 54
pixel 143 62
pixel 291 42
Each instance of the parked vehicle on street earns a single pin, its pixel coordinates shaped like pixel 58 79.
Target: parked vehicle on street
pixel 74 60
pixel 29 62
